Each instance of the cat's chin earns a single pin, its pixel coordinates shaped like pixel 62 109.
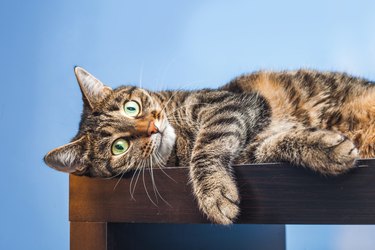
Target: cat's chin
pixel 168 138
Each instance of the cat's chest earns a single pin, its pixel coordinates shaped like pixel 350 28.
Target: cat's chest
pixel 185 139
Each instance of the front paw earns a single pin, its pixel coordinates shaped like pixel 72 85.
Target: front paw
pixel 218 198
pixel 336 152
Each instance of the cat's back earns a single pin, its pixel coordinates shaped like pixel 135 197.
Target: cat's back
pixel 328 100
pixel 306 95
pixel 300 84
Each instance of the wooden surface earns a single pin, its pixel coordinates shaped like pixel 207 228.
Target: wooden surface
pixel 271 194
pixel 88 235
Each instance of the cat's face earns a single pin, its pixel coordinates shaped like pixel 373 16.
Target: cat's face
pixel 121 130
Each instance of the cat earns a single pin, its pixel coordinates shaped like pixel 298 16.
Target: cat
pixel 319 120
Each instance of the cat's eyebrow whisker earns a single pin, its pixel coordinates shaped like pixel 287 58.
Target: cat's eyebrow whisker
pixel 176 92
pixel 164 72
pixel 140 76
pixel 144 185
pixel 178 119
pixel 170 98
pixel 183 106
pixel 182 85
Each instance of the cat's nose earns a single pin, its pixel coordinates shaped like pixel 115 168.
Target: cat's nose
pixel 145 127
pixel 152 129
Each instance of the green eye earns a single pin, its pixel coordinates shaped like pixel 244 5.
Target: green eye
pixel 131 108
pixel 120 146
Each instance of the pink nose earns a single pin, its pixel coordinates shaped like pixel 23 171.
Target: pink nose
pixel 152 129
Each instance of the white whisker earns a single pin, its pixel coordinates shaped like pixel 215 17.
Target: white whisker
pixel 136 180
pixel 144 184
pixel 153 180
pixel 131 181
pixel 161 168
pixel 119 179
pixel 183 106
pixel 157 191
pixel 165 70
pixel 122 174
pixel 113 176
pixel 140 76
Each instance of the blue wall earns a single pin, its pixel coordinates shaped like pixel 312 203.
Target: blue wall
pixel 165 44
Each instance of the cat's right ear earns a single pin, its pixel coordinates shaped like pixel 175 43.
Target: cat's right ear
pixel 67 158
pixel 93 90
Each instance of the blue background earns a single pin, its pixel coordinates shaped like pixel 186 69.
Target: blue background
pixel 163 44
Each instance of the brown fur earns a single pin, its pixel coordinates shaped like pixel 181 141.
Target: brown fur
pixel 325 100
pixel 319 120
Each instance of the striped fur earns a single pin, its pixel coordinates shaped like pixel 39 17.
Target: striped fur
pixel 320 120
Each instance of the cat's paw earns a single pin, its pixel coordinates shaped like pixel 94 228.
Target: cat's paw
pixel 218 198
pixel 335 153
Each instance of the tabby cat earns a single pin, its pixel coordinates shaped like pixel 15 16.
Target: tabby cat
pixel 319 120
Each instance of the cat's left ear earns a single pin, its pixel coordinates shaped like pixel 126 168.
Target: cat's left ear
pixel 67 158
pixel 93 90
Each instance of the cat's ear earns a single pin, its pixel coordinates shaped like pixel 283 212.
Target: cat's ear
pixel 93 90
pixel 67 158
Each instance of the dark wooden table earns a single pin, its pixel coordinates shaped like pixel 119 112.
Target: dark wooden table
pixel 270 194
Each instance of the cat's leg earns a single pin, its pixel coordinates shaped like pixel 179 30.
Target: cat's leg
pixel 211 175
pixel 324 151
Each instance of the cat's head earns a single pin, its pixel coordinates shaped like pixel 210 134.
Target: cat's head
pixel 120 130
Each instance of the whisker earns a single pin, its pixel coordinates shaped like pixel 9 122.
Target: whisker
pixel 112 177
pixel 161 168
pixel 161 197
pixel 131 181
pixel 170 98
pixel 140 76
pixel 119 179
pixel 158 193
pixel 144 184
pixel 164 72
pixel 122 175
pixel 175 119
pixel 183 106
pixel 160 158
pixel 136 180
pixel 181 86
pixel 153 180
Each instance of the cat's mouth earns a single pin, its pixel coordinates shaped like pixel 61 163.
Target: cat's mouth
pixel 161 128
pixel 158 139
pixel 165 140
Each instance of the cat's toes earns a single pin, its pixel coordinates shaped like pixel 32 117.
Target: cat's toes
pixel 331 139
pixel 220 202
pixel 220 210
pixel 341 154
pixel 345 153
